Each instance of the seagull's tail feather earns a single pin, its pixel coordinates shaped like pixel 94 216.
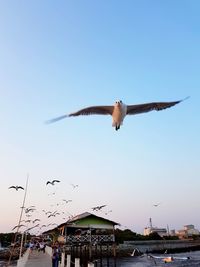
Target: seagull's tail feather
pixel 56 119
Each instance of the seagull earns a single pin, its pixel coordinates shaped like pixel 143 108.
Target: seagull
pixel 98 207
pixel 67 201
pixel 108 212
pixel 119 110
pixel 156 205
pixel 27 210
pixel 53 182
pixel 74 185
pixel 17 226
pixel 32 227
pixel 17 187
pixel 36 220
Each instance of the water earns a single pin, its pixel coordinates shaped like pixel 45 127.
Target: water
pixel 144 261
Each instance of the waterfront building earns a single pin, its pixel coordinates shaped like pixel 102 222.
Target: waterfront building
pixel 86 236
pixel 187 231
pixel 151 229
pixel 84 228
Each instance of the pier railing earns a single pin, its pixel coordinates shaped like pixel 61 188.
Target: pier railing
pixel 90 239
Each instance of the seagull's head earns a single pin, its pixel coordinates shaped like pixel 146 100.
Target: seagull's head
pixel 118 103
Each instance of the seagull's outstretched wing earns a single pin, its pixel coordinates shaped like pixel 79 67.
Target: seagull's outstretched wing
pixel 12 187
pixel 101 110
pixel 141 108
pixel 55 181
pixel 98 110
pixel 100 207
pixel 17 226
pixel 20 187
pixel 48 182
pixel 56 119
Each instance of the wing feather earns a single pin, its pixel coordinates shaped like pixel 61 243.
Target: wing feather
pixel 12 187
pixel 56 119
pixel 142 108
pixel 98 110
pixel 20 187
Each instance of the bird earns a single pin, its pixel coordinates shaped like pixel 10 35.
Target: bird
pixel 36 220
pixel 74 185
pixel 27 221
pixel 52 182
pixel 108 212
pixel 17 226
pixel 98 207
pixel 119 110
pixel 67 201
pixel 32 227
pixel 17 187
pixel 156 205
pixel 27 210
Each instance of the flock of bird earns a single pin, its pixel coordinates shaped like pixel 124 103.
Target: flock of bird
pixel 118 111
pixel 29 212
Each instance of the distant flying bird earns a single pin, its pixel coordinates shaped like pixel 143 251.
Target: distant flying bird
pixel 48 212
pixel 119 110
pixel 98 207
pixel 156 205
pixel 67 201
pixel 17 226
pixel 36 220
pixel 32 227
pixel 108 212
pixel 74 185
pixel 16 187
pixel 52 194
pixel 54 214
pixel 52 182
pixel 27 210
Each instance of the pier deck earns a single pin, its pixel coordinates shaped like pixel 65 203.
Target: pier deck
pixel 39 259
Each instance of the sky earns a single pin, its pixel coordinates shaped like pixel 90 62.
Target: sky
pixel 57 57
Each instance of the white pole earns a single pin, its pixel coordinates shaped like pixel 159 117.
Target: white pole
pixel 77 262
pixel 68 260
pixel 21 246
pixel 62 260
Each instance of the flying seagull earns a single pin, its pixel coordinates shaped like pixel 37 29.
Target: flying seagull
pixel 156 205
pixel 74 185
pixel 17 187
pixel 119 110
pixel 53 182
pixel 98 207
pixel 17 226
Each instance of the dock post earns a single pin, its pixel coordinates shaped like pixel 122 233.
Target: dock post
pixel 62 260
pixel 77 262
pixel 90 264
pixel 68 260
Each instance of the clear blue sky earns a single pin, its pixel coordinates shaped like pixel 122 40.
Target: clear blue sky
pixel 59 56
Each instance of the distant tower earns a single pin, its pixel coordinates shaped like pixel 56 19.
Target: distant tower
pixel 150 223
pixel 168 230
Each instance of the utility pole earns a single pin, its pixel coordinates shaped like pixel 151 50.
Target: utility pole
pixel 22 238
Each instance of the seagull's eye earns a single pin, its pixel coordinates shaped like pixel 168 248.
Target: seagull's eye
pixel 120 101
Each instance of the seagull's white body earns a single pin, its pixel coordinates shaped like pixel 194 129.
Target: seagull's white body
pixel 119 110
pixel 118 115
